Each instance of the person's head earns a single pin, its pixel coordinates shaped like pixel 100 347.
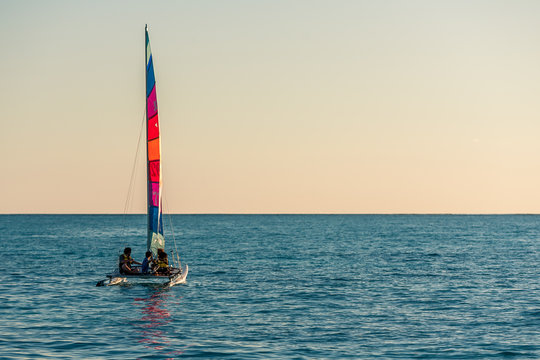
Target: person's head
pixel 127 251
pixel 148 254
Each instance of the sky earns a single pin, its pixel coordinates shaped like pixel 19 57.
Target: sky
pixel 416 106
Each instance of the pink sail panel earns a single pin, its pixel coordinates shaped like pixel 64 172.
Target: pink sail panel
pixel 152 104
pixel 153 128
pixel 154 171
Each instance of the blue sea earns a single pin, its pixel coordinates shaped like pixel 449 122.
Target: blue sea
pixel 275 287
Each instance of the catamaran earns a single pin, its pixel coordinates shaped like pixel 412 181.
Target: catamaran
pixel 155 239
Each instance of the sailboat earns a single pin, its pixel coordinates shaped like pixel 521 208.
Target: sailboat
pixel 155 238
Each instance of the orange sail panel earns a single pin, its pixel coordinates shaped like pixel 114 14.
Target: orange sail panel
pixel 153 150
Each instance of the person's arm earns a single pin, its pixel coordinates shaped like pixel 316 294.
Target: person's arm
pixel 132 261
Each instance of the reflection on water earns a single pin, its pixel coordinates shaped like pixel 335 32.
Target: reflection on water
pixel 152 328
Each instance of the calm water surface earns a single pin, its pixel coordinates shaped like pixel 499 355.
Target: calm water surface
pixel 276 286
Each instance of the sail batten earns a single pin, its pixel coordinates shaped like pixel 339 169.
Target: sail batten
pixel 155 239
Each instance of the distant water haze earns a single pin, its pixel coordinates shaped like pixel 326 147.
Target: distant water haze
pixel 273 106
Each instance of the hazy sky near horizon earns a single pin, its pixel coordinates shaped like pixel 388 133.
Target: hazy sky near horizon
pixel 274 106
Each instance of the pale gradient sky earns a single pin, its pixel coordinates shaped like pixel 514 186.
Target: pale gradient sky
pixel 274 106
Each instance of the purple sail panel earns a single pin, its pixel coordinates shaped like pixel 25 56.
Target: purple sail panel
pixel 152 104
pixel 155 194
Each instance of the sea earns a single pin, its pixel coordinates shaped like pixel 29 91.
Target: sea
pixel 275 287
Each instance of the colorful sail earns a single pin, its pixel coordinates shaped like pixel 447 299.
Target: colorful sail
pixel 155 238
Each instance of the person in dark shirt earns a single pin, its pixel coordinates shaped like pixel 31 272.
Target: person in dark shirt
pixel 145 269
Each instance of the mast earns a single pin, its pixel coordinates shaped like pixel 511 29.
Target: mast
pixel 155 239
pixel 146 41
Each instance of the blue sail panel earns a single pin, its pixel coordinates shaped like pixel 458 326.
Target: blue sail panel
pixel 150 80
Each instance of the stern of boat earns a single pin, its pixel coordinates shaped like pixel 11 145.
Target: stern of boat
pixel 179 278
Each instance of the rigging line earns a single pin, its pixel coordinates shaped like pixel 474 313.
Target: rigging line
pixel 133 173
pixel 129 197
pixel 166 203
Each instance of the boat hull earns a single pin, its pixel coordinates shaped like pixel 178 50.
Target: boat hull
pixel 176 277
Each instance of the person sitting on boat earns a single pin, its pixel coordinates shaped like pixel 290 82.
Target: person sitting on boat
pixel 160 253
pixel 162 263
pixel 124 263
pixel 145 268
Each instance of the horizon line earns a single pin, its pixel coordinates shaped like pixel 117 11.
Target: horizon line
pixel 284 213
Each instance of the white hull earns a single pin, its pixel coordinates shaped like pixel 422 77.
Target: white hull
pixel 115 278
pixel 180 278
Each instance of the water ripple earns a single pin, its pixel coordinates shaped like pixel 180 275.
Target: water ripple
pixel 276 286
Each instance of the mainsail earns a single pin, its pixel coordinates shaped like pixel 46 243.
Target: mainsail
pixel 155 238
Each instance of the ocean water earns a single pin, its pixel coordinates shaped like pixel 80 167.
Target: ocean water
pixel 276 286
